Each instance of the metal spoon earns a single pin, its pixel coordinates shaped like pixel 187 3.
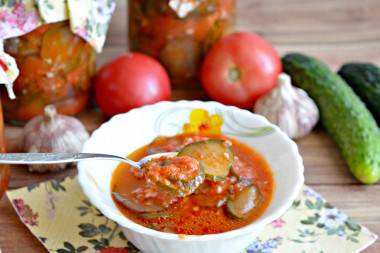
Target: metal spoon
pixel 53 158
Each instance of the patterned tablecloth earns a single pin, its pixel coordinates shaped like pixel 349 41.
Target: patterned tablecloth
pixel 63 219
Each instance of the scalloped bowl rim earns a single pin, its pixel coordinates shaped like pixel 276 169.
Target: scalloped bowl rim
pixel 259 223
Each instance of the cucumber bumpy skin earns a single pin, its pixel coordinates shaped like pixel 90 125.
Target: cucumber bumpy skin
pixel 364 79
pixel 343 114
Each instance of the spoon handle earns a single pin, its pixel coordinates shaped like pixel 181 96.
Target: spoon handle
pixel 52 158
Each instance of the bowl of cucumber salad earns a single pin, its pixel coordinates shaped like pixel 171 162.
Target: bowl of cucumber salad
pixel 229 173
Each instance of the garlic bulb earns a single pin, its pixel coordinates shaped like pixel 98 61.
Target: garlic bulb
pixel 288 107
pixel 52 133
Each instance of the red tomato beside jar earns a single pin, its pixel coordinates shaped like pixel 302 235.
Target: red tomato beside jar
pixel 179 33
pixel 55 66
pixel 130 81
pixel 239 69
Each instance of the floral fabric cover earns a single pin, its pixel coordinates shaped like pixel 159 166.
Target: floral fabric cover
pixel 310 225
pixel 88 18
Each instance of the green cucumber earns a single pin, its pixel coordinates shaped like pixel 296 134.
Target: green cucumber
pixel 343 114
pixel 215 157
pixel 244 202
pixel 364 78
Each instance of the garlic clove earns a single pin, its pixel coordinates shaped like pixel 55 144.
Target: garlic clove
pixel 288 107
pixel 52 133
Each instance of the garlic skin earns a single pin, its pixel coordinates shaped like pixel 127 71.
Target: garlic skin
pixel 52 133
pixel 288 107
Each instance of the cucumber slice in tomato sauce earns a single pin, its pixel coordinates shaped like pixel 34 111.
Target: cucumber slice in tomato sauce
pixel 135 205
pixel 214 155
pixel 244 202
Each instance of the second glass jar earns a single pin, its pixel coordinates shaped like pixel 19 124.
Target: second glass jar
pixel 179 41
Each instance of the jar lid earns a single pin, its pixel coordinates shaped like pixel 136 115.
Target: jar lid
pixel 89 19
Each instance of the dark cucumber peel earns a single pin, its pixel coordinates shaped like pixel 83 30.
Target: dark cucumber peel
pixel 343 114
pixel 364 79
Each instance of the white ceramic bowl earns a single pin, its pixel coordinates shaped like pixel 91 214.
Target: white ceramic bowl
pixel 127 132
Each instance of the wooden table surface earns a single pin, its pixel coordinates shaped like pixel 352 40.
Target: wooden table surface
pixel 333 31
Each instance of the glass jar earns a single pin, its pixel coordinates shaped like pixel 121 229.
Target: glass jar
pixel 55 66
pixel 4 169
pixel 179 33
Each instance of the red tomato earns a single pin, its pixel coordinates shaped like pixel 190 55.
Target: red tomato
pixel 130 81
pixel 239 69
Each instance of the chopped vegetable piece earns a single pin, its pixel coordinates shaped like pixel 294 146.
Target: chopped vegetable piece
pixel 135 205
pixel 241 169
pixel 177 175
pixel 153 215
pixel 60 45
pixel 244 202
pixel 240 185
pixel 215 156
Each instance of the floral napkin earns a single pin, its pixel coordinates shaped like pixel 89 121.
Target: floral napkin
pixel 310 225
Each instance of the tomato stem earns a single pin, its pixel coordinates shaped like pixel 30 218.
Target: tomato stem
pixel 234 74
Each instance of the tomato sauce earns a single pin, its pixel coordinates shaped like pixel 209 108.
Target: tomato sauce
pixel 204 211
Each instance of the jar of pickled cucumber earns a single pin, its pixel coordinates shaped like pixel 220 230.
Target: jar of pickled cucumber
pixel 179 32
pixel 55 67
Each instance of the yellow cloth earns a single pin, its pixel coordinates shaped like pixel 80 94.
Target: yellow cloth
pixel 62 218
